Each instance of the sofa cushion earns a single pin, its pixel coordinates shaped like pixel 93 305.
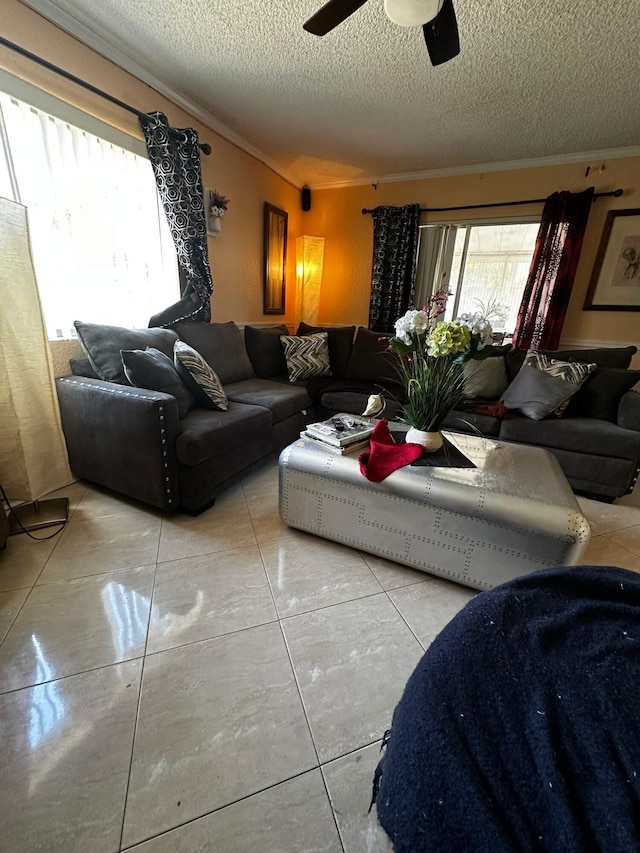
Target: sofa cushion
pixel 82 367
pixel 601 393
pixel 102 345
pixel 462 420
pixel 603 357
pixel 265 350
pixel 222 347
pixel 207 434
pixel 283 401
pixel 199 377
pixel 629 411
pixel 154 370
pixel 579 435
pixel 340 344
pixel 306 355
pixel 486 379
pixel 371 359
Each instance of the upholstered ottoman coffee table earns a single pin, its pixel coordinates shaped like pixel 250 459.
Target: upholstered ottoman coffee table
pixel 512 514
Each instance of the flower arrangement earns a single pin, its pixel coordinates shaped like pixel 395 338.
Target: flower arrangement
pixel 218 203
pixel 429 357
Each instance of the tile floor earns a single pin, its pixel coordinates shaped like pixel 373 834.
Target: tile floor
pixel 218 683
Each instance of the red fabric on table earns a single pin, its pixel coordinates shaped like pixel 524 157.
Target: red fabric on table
pixel 384 455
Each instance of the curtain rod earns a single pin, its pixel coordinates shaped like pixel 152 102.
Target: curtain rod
pixel 616 193
pixel 204 146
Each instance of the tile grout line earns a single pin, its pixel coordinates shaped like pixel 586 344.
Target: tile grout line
pixel 139 702
pixel 191 820
pixel 302 703
pixel 306 716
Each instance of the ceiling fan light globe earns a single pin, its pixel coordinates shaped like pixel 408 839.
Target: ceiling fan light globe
pixel 411 13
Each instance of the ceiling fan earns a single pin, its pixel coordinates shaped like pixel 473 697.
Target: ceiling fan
pixel 436 17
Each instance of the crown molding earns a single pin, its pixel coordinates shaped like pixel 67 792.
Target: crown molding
pixel 49 10
pixel 103 46
pixel 508 166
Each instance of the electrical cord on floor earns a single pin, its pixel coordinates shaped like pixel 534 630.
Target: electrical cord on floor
pixel 12 512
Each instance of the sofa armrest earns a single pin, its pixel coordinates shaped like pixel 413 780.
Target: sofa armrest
pixel 629 411
pixel 122 438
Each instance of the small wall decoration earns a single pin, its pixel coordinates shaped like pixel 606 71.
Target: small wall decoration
pixel 615 280
pixel 215 207
pixel 275 258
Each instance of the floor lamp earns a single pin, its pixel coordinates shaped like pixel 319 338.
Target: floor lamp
pixel 309 265
pixel 33 455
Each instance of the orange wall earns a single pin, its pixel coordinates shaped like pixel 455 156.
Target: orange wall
pixel 236 253
pixel 336 214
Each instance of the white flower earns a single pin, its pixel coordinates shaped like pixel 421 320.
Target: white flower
pixel 479 327
pixel 413 323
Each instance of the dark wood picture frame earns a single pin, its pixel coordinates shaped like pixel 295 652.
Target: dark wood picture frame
pixel 274 259
pixel 615 280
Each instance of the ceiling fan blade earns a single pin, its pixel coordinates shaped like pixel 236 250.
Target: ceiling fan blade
pixel 441 35
pixel 332 13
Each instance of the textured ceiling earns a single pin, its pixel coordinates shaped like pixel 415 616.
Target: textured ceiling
pixel 534 79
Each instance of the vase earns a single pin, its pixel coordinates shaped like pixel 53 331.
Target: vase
pixel 430 441
pixel 215 225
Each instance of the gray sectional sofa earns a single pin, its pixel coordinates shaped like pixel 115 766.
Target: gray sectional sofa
pixel 132 440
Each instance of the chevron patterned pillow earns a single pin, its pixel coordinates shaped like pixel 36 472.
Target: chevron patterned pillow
pixel 574 372
pixel 306 355
pixel 199 377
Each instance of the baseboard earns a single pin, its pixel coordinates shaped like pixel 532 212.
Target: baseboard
pixel 581 343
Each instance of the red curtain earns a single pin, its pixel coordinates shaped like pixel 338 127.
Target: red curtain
pixel 553 269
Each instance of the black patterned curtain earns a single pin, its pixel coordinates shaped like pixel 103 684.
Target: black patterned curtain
pixel 393 279
pixel 175 158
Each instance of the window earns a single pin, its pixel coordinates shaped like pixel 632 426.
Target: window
pixel 484 263
pixel 102 250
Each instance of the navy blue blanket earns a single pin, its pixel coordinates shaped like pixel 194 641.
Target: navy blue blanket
pixel 519 729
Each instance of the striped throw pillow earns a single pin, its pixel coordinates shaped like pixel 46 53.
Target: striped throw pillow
pixel 306 355
pixel 199 377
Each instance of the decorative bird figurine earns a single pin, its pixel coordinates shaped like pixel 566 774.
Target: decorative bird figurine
pixel 375 406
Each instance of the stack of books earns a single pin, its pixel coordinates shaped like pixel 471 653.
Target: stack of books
pixel 341 434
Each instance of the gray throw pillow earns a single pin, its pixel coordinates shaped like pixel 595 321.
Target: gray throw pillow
pixel 306 355
pixel 537 394
pixel 572 371
pixel 202 380
pixel 154 370
pixel 102 345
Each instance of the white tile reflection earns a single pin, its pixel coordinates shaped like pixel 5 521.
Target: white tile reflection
pixel 79 625
pixel 127 612
pixel 47 706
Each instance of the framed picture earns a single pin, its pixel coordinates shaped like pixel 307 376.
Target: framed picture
pixel 615 280
pixel 275 258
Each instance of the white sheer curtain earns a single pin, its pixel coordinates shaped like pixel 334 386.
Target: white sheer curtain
pixel 102 249
pixel 435 252
pixel 33 455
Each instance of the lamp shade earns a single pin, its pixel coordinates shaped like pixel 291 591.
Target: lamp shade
pixel 33 454
pixel 411 13
pixel 309 263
